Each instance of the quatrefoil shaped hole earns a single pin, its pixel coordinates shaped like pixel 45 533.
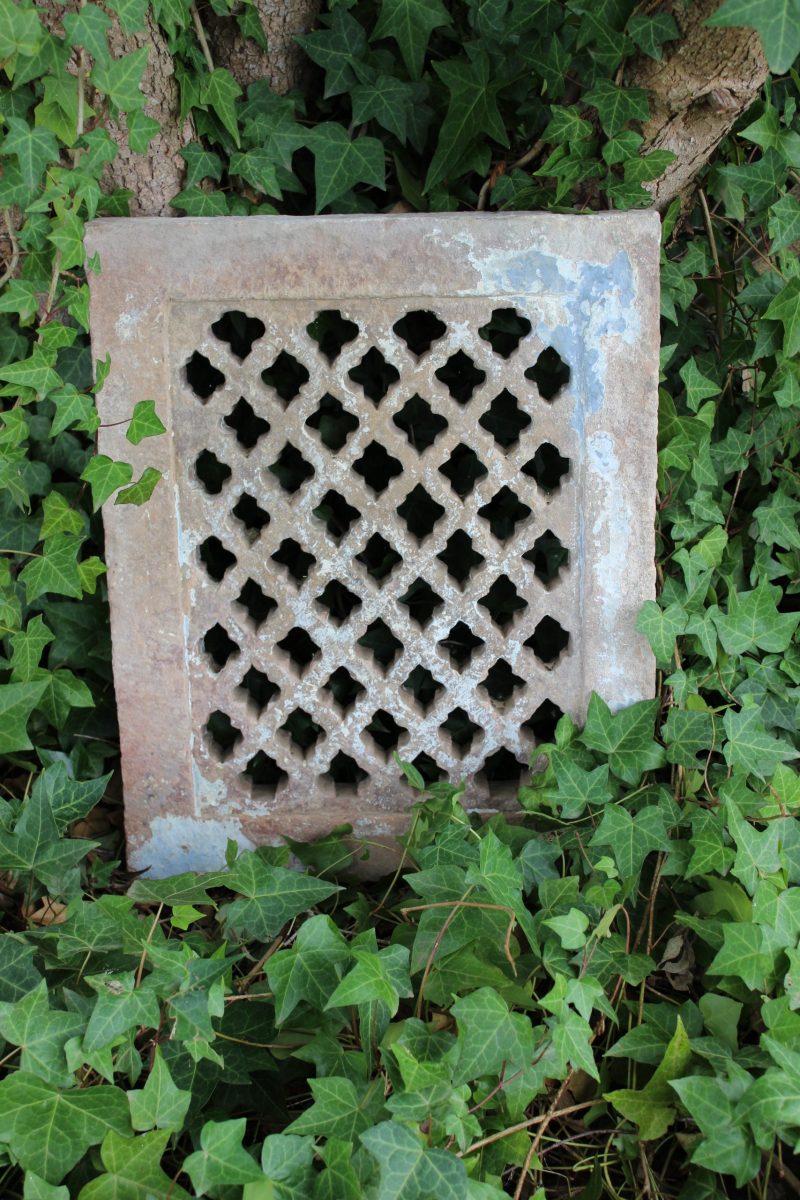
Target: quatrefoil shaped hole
pixel 251 514
pixel 505 330
pixel 428 768
pixel 264 773
pixel 222 734
pixel 246 424
pixel 461 643
pixel 381 642
pixel 423 687
pixel 379 558
pixel 384 730
pixel 344 689
pixel 505 420
pixel 259 689
pixel 548 467
pixel 419 330
pixel 239 331
pixel 463 469
pixel 542 724
pixel 503 513
pixel 297 561
pixel 420 512
pixel 344 772
pixel 331 331
pixel 548 555
pixel 256 603
pixel 336 513
pixel 548 641
pixel 203 378
pixel 460 376
pixel 460 557
pixel 501 771
pixel 290 469
pixel 419 423
pixel 302 729
pixel 377 467
pixel 501 682
pixel 338 600
pixel 374 375
pixel 216 559
pixel 299 647
pixel 219 646
pixel 550 373
pixel 503 602
pixel 421 601
pixel 461 730
pixel 211 472
pixel 333 422
pixel 286 376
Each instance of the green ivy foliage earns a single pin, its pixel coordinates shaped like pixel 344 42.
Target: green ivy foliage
pixel 601 998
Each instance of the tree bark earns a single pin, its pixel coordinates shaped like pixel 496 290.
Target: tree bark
pixel 281 64
pixel 698 91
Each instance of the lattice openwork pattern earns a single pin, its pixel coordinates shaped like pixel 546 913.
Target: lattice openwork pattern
pixel 378 516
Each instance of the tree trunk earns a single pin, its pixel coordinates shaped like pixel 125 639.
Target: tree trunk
pixel 281 64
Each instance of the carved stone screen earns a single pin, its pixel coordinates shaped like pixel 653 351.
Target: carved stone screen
pixel 407 506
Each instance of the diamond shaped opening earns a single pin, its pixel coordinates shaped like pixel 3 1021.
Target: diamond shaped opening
pixel 423 687
pixel 428 768
pixel 202 377
pixel 503 512
pixel 259 689
pixel 264 773
pixel 548 555
pixel 239 331
pixel 222 734
pixel 550 373
pixel 298 562
pixel 420 512
pixel 379 558
pixel 505 420
pixel 459 556
pixel 461 643
pixel 251 514
pixel 419 423
pixel 211 472
pixel 219 646
pixel 421 601
pixel 303 730
pixel 460 376
pixel 290 469
pixel 299 647
pixel 548 641
pixel 256 603
pixel 501 682
pixel 547 467
pixel 216 558
pixel 331 331
pixel 338 600
pixel 344 689
pixel 502 602
pixel 460 729
pixel 384 730
pixel 375 375
pixel 505 330
pixel 377 467
pixel 463 470
pixel 381 642
pixel 543 722
pixel 286 376
pixel 501 770
pixel 419 330
pixel 333 422
pixel 337 514
pixel 246 423
pixel 344 771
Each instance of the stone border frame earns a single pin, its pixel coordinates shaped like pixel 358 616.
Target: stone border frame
pixel 596 278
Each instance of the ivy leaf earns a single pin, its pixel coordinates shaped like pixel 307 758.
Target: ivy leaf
pixel 786 309
pixel 198 203
pixel 749 746
pixel 221 1160
pixel 35 1188
pixel 338 1181
pixel 27 648
pixel 472 112
pixel 382 976
pixel 336 50
pixel 17 702
pixel 652 1107
pixel 686 733
pixel 627 737
pixel 272 896
pixel 144 423
pixel 784 222
pixel 758 853
pixel 200 164
pixel 33 148
pixel 104 476
pixel 120 1006
pixel 570 928
pixel 121 80
pixel 650 32
pixel 578 787
pixel 777 520
pixel 339 1110
pixel 339 163
pixel 616 106
pixel 41 1033
pixel 133 1170
pixel 50 1130
pixel 310 970
pixel 631 838
pixel 572 1041
pixel 21 32
pixel 35 372
pixel 753 620
pixel 489 1037
pixel 141 131
pixel 661 627
pixel 744 955
pixel 35 845
pixel 408 1170
pixel 131 13
pixel 388 100
pixel 698 386
pixel 410 23
pixel 88 28
pixel 220 90
pixel 140 492
pixel 778 24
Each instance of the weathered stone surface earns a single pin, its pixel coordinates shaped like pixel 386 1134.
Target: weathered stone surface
pixel 422 523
